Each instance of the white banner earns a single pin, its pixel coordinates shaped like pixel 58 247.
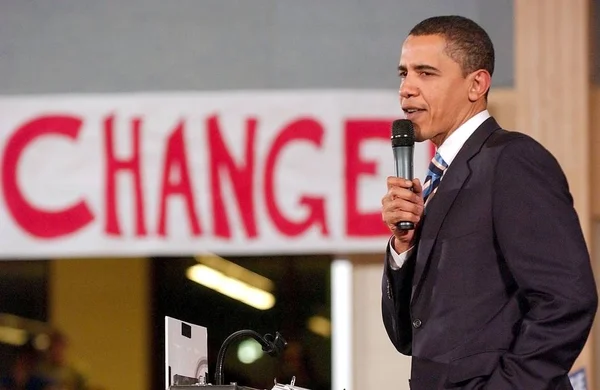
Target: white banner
pixel 233 173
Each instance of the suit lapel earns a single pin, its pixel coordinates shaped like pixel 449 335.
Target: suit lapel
pixel 437 209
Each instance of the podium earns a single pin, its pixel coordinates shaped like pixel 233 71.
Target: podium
pixel 235 387
pixel 193 375
pixel 212 387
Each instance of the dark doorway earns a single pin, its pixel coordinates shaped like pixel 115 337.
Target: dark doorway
pixel 302 293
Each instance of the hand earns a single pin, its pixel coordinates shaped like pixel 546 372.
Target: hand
pixel 402 204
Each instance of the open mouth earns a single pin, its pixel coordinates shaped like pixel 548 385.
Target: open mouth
pixel 412 112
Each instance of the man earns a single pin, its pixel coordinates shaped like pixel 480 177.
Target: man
pixel 494 288
pixel 56 367
pixel 22 375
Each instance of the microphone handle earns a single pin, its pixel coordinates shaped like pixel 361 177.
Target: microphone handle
pixel 403 159
pixel 405 225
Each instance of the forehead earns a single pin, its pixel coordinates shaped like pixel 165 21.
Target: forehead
pixel 429 49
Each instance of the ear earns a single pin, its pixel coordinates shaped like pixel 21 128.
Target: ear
pixel 480 83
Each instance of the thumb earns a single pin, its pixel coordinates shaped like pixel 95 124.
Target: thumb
pixel 417 187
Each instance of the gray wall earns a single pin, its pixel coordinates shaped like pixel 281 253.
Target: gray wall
pixel 132 45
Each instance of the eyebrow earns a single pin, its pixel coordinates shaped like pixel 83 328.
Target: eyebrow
pixel 420 67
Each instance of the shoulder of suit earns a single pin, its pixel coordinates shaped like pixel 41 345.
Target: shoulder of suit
pixel 502 137
pixel 515 144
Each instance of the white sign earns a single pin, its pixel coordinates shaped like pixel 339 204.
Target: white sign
pixel 233 173
pixel 186 353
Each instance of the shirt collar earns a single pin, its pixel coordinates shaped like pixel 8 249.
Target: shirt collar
pixel 451 146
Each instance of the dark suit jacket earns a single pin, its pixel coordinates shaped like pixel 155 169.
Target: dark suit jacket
pixel 499 292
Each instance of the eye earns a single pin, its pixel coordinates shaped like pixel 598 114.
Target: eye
pixel 424 73
pixel 402 74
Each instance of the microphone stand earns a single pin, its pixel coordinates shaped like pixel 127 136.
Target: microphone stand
pixel 273 346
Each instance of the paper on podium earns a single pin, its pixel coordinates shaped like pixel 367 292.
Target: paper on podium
pixel 186 350
pixel 288 387
pixel 291 386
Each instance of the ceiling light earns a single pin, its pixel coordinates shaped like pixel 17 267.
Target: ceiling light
pixel 12 336
pixel 319 325
pixel 236 271
pixel 231 287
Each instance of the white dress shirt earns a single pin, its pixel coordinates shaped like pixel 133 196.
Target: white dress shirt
pixel 448 150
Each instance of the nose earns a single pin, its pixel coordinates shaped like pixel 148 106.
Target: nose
pixel 408 88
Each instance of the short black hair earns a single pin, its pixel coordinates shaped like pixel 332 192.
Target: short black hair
pixel 467 42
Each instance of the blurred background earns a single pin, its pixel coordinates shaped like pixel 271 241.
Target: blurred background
pixel 98 323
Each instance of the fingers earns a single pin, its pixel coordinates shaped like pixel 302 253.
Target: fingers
pixel 403 194
pixel 392 218
pixel 401 204
pixel 393 181
pixel 417 187
pixel 397 210
pixel 414 184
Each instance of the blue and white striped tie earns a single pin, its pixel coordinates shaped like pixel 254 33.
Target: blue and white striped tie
pixel 437 166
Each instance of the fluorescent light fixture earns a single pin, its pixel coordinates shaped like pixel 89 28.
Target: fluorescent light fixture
pixel 319 325
pixel 13 336
pixel 16 330
pixel 231 287
pixel 236 271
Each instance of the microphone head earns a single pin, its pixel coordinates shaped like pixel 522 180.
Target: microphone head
pixel 403 133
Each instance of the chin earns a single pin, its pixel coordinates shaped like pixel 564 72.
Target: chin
pixel 419 136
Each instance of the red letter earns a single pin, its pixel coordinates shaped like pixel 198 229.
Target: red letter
pixel 36 221
pixel 113 166
pixel 357 131
pixel 302 129
pixel 241 178
pixel 176 158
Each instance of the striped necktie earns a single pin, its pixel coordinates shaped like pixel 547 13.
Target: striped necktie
pixel 437 166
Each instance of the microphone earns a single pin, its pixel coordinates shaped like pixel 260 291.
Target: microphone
pixel 403 143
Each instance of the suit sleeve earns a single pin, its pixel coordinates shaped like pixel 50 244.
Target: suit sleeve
pixel 539 235
pixel 395 302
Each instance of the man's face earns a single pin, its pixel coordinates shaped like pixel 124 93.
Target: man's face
pixel 433 91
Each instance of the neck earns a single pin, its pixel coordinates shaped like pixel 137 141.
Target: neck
pixel 461 119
